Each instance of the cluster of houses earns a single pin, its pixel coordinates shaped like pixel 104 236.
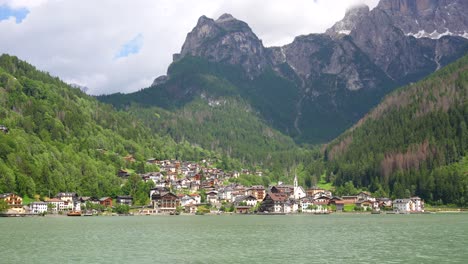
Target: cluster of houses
pixel 278 199
pixel 187 176
pixel 185 186
pixel 62 202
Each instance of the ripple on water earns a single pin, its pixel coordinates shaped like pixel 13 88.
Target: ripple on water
pixel 237 239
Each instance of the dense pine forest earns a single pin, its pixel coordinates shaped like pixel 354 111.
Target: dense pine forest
pixel 414 143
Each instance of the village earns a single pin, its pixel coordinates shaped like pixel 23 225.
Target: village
pixel 190 188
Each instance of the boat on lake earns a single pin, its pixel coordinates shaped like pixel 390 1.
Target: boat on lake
pixel 74 213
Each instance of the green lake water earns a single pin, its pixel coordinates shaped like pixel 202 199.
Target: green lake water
pixel 432 238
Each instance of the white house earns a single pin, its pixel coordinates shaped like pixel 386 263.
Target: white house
pixel 305 203
pixel 402 205
pixel 278 208
pixel 57 204
pixel 418 204
pixel 212 197
pixel 414 205
pixel 69 200
pixel 365 196
pixel 38 207
pixel 249 200
pixel 225 194
pixel 77 206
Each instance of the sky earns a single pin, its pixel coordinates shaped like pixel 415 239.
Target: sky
pixel 114 46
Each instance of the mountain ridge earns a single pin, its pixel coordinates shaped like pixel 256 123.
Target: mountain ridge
pixel 332 79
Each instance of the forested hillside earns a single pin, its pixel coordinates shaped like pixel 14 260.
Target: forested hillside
pixel 204 103
pixel 60 139
pixel 413 143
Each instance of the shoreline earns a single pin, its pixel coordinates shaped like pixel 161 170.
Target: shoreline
pixel 232 214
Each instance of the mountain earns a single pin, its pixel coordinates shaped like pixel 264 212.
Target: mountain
pixel 226 40
pixel 428 18
pixel 378 33
pixel 198 106
pixel 55 138
pixel 415 142
pixel 319 85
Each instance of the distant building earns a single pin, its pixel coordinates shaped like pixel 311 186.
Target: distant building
pixel 212 197
pixel 14 201
pixel 128 200
pixel 350 199
pixel 274 203
pixel 298 190
pixel 106 201
pixel 38 207
pixel 314 190
pixel 411 205
pixel 165 202
pixel 257 191
pixel 70 200
pixel 56 205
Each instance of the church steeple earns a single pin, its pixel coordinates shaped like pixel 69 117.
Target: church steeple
pixel 295 181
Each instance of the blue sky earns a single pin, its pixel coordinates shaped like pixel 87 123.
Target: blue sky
pixel 133 46
pixel 19 13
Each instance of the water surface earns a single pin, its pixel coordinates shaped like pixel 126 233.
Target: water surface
pixel 434 238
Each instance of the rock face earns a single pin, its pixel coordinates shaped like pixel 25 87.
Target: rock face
pixel 226 40
pixel 383 34
pixel 428 18
pixel 344 72
pixel 349 22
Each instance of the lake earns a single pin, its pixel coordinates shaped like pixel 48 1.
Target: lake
pixel 336 238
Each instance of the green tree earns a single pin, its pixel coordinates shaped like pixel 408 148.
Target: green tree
pixel 3 206
pixel 122 209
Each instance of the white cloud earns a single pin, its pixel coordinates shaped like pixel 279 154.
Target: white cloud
pixel 23 3
pixel 78 40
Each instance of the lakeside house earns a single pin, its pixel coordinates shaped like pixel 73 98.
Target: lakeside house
pixel 14 202
pixel 410 205
pixel 164 201
pixel 106 201
pixel 246 200
pixel 274 202
pixel 56 205
pixel 38 207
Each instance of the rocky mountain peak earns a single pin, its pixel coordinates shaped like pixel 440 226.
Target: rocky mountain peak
pixel 226 40
pixel 225 17
pixel 349 22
